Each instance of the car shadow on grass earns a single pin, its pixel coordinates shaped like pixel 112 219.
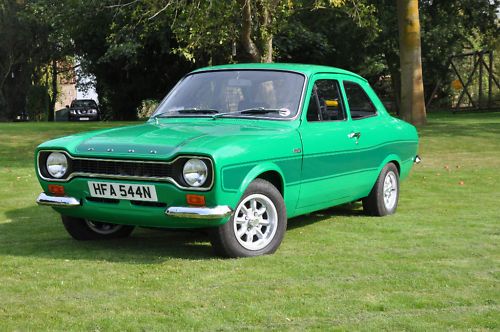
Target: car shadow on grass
pixel 345 210
pixel 38 231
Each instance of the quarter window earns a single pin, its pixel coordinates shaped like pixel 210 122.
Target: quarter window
pixel 359 103
pixel 325 103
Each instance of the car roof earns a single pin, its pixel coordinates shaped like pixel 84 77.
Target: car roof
pixel 306 69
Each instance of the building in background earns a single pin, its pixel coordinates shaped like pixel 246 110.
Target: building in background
pixel 72 84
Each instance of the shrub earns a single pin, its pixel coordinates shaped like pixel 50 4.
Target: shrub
pixel 147 108
pixel 37 102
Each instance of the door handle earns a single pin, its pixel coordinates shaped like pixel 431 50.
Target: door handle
pixel 354 135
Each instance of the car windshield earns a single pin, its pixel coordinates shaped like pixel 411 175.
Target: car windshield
pixel 83 103
pixel 235 93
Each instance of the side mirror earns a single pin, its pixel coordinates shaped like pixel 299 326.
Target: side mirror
pixel 332 103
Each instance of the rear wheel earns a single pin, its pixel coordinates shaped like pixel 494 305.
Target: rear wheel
pixel 83 229
pixel 384 197
pixel 257 225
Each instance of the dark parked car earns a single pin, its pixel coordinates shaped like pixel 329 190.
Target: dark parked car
pixel 83 110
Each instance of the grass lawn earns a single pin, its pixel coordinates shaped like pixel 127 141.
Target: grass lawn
pixel 434 265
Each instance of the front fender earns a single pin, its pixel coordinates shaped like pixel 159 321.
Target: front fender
pixel 258 170
pixel 237 178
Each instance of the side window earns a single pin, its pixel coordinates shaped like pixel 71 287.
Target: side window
pixel 325 103
pixel 359 103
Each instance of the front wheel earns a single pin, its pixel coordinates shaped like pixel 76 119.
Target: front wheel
pixel 257 225
pixel 384 197
pixel 83 229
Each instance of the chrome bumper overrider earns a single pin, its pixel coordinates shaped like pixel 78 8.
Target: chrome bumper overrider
pixel 217 212
pixel 417 159
pixel 58 201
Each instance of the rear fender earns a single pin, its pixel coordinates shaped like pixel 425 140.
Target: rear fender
pixel 390 158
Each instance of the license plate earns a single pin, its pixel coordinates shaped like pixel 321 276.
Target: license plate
pixel 133 192
pixel 84 119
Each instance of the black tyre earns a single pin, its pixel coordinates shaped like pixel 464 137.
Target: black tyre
pixel 257 225
pixel 83 229
pixel 384 197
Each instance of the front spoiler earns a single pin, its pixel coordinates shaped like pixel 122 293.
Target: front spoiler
pixel 217 212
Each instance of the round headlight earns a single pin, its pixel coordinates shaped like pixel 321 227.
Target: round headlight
pixel 57 164
pixel 195 172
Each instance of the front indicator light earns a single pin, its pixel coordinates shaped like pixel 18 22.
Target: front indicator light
pixel 56 189
pixel 198 200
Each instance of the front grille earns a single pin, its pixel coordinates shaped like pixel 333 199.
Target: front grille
pixel 159 171
pixel 121 168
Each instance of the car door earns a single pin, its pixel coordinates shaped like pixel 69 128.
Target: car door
pixel 369 134
pixel 330 158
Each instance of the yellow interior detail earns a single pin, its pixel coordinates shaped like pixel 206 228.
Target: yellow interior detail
pixel 332 103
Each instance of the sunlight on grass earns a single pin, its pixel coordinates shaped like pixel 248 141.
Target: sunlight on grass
pixel 434 265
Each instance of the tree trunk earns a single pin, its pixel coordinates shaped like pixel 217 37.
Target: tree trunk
pixel 53 97
pixel 268 37
pixel 246 32
pixel 412 88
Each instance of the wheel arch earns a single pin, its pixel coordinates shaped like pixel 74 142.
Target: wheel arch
pixel 392 158
pixel 275 178
pixel 269 172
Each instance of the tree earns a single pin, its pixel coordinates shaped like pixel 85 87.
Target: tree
pixel 23 53
pixel 129 60
pixel 15 52
pixel 363 36
pixel 236 31
pixel 412 87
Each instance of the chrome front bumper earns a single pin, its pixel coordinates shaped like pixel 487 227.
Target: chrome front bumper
pixel 58 201
pixel 216 212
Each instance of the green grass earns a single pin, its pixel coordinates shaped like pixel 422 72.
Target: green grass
pixel 434 265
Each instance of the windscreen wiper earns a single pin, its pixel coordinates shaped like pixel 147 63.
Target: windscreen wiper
pixel 198 110
pixel 259 110
pixel 187 111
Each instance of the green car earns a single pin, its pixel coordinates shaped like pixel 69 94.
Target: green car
pixel 236 150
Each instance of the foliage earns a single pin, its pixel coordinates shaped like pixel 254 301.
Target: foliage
pixel 130 63
pixel 147 108
pixel 30 50
pixel 237 30
pixel 17 36
pixel 137 50
pixel 368 44
pixel 37 102
pixel 451 27
pixel 431 266
pixel 330 36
